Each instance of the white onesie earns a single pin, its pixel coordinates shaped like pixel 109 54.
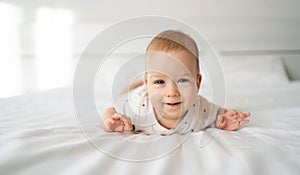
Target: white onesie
pixel 137 106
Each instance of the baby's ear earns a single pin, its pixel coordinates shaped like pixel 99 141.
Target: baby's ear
pixel 145 80
pixel 199 79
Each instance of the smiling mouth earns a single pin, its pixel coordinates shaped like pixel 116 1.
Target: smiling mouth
pixel 173 104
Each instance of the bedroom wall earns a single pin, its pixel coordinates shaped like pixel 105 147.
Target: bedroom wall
pixel 33 32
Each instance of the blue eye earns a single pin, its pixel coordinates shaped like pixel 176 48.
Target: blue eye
pixel 159 82
pixel 183 80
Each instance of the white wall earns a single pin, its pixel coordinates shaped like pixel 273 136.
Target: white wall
pixel 234 27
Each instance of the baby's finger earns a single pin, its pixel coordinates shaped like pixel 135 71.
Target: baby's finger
pixel 241 115
pixel 112 124
pixel 247 114
pixel 119 128
pixel 121 117
pixel 108 124
pixel 236 117
pixel 244 122
pixel 128 126
pixel 222 123
pixel 125 119
pixel 232 112
pixel 110 120
pixel 116 116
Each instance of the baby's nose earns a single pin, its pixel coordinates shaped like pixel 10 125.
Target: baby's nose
pixel 172 90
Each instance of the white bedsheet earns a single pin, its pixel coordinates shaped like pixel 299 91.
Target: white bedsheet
pixel 39 134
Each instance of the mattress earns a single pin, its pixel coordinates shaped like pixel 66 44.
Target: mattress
pixel 40 133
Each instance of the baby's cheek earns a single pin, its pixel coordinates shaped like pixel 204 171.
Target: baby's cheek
pixel 156 102
pixel 189 96
pixel 156 99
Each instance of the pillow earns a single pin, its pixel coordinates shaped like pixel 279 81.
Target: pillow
pixel 253 71
pixel 246 72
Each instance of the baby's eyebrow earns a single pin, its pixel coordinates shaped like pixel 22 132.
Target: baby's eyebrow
pixel 186 74
pixel 157 76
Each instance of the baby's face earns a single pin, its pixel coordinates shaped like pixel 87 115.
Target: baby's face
pixel 172 83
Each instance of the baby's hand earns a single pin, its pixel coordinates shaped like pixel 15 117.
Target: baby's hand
pixel 232 120
pixel 118 123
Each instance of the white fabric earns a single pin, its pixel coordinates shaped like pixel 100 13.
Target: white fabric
pixel 246 72
pixel 254 71
pixel 39 134
pixel 137 106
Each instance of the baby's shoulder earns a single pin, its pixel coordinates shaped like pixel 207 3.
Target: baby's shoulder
pixel 137 97
pixel 204 102
pixel 138 92
pixel 201 98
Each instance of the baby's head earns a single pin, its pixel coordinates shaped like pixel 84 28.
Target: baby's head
pixel 172 40
pixel 172 73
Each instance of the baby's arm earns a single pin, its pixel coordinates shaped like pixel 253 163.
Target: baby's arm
pixel 232 120
pixel 116 122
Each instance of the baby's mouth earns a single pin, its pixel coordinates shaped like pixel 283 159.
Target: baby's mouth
pixel 173 104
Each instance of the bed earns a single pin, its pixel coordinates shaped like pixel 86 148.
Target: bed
pixel 40 134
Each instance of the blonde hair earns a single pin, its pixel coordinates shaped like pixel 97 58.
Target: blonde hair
pixel 170 40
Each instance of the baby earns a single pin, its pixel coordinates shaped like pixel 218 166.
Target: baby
pixel 167 101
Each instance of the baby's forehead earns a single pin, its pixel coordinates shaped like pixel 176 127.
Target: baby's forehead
pixel 171 62
pixel 163 74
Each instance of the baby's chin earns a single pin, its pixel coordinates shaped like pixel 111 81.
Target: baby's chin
pixel 174 115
